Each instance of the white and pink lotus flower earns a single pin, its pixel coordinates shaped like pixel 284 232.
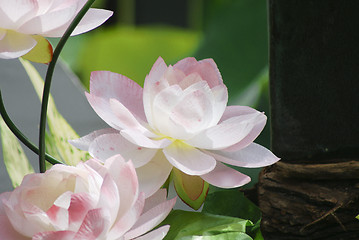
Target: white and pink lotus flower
pixel 89 201
pixel 179 121
pixel 24 23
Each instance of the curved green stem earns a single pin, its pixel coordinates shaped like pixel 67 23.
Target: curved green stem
pixel 21 136
pixel 48 79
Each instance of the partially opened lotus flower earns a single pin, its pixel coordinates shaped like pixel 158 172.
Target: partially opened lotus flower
pixel 24 23
pixel 179 121
pixel 90 201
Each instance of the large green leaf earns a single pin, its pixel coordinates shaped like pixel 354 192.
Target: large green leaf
pixel 233 203
pixel 133 51
pixel 221 236
pixel 59 130
pixel 15 160
pixel 187 225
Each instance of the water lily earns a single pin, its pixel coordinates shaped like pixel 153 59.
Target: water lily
pixel 25 23
pixel 88 201
pixel 178 121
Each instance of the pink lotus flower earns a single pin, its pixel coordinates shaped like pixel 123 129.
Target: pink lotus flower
pixel 178 120
pixel 22 20
pixel 90 201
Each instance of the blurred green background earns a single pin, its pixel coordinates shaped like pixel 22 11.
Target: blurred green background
pixel 232 32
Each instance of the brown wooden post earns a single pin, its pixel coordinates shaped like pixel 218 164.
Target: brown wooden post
pixel 313 192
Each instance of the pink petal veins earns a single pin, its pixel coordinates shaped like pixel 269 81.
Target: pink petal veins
pixel 157 234
pixel 159 167
pixel 48 21
pixel 6 229
pixel 102 107
pixel 53 235
pixel 125 119
pixel 159 197
pixel 252 156
pixel 152 86
pixel 84 142
pixel 225 177
pixel 233 111
pixel 109 196
pixel 107 145
pixel 124 175
pixel 140 139
pixel 206 68
pixel 109 85
pixel 93 19
pixel 189 159
pixel 194 110
pixel 125 222
pixel 151 218
pixel 226 133
pixel 94 226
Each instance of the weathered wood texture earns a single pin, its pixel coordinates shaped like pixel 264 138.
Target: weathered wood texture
pixel 311 201
pixel 313 192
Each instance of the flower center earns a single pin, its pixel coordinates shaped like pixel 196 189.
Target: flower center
pixel 177 142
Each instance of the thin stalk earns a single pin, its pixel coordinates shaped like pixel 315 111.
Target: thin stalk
pixel 21 136
pixel 48 79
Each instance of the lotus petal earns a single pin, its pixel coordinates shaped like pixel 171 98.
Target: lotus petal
pixel 225 177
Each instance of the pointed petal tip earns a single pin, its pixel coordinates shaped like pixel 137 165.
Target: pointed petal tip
pixel 252 156
pixel 158 68
pixel 226 177
pixel 92 19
